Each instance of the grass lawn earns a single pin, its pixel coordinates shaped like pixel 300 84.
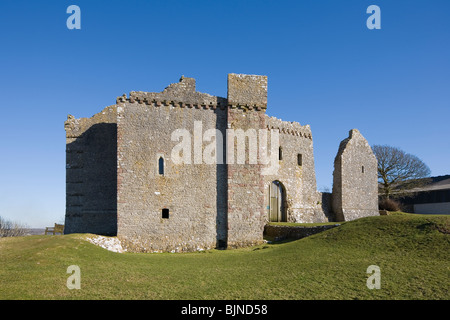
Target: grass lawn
pixel 412 252
pixel 294 224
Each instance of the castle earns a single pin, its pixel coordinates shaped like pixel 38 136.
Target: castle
pixel 180 170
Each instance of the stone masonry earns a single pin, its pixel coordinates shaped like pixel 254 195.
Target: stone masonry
pixel 355 186
pixel 124 174
pixel 91 173
pixel 247 103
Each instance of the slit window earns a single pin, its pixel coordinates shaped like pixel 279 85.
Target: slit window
pixel 165 213
pixel 161 166
pixel 299 159
pixel 280 153
pixel 362 169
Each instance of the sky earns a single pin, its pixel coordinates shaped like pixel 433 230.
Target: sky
pixel 325 68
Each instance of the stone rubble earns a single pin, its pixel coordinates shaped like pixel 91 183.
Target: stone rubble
pixel 109 243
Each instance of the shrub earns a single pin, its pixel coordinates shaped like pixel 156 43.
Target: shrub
pixel 11 229
pixel 389 205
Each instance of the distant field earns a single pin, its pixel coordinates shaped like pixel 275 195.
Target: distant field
pixel 35 231
pixel 412 252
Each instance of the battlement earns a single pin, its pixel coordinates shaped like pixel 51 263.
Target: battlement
pixel 289 127
pixel 181 94
pixel 248 92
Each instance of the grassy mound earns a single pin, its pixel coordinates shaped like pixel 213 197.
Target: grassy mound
pixel 410 250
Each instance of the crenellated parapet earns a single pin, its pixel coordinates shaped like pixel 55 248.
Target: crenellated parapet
pixel 245 92
pixel 181 94
pixel 147 99
pixel 289 127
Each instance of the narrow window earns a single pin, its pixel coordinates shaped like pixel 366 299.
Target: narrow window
pixel 161 166
pixel 165 213
pixel 362 169
pixel 280 153
pixel 299 159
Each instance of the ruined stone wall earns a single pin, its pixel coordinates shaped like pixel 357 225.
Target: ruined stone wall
pixel 355 187
pixel 296 172
pixel 194 193
pixel 91 175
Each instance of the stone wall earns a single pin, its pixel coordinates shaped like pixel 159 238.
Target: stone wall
pixel 194 193
pixel 91 174
pixel 296 173
pixel 247 100
pixel 246 90
pixel 355 187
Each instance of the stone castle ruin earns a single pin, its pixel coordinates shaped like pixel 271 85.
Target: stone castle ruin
pixel 180 170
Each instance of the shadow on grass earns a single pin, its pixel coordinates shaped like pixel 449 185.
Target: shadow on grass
pixel 278 240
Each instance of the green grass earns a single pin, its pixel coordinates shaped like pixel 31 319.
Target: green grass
pixel 411 251
pixel 294 224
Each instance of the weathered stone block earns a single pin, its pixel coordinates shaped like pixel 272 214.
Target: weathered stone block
pixel 247 90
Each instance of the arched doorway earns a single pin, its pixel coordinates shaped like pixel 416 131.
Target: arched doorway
pixel 277 204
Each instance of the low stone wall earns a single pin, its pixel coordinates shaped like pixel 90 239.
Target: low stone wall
pixel 293 232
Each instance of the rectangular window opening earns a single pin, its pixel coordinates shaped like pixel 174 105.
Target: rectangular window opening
pixel 299 159
pixel 165 213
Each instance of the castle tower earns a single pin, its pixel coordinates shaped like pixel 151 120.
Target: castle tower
pixel 247 103
pixel 168 198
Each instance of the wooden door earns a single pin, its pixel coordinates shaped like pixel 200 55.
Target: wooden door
pixel 276 210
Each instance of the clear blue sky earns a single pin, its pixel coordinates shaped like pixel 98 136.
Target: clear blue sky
pixel 325 69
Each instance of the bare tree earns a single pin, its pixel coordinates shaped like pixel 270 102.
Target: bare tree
pixel 11 229
pixel 399 171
